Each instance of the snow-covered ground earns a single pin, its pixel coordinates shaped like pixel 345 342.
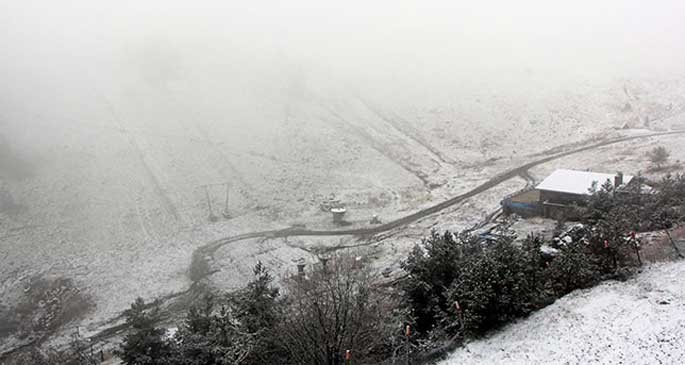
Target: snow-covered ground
pixel 113 197
pixel 640 321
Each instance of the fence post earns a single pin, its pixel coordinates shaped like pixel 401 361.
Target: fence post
pixel 407 333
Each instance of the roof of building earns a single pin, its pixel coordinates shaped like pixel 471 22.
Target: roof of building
pixel 577 182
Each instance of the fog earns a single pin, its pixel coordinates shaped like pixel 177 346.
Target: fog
pixel 54 54
pixel 73 69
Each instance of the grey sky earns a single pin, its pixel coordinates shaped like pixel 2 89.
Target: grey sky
pixel 358 46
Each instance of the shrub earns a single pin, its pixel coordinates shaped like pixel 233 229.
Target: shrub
pixel 658 156
pixel 499 284
pixel 572 268
pixel 432 267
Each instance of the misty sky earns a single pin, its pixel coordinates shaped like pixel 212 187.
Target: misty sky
pixel 53 50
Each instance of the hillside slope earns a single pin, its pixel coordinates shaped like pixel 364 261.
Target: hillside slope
pixel 641 321
pixel 113 195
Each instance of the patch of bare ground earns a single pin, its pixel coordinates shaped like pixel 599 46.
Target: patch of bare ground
pixel 657 246
pixel 46 305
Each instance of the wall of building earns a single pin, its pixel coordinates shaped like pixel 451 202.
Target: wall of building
pixel 525 203
pixel 529 196
pixel 560 198
pixel 558 205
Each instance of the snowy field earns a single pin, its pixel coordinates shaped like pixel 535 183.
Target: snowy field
pixel 641 321
pixel 114 201
pixel 113 197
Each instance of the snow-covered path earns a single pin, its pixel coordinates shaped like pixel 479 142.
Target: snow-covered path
pixel 641 321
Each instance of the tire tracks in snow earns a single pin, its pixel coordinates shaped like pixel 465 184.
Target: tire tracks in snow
pixel 405 128
pixel 212 147
pixel 379 147
pixel 216 148
pixel 530 180
pixel 130 137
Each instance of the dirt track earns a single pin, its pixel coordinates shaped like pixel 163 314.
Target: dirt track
pixel 209 249
pixel 370 231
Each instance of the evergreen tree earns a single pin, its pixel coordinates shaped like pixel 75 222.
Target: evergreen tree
pixel 144 344
pixel 497 285
pixel 610 238
pixel 432 267
pixel 238 328
pixel 256 306
pixel 572 268
pixel 601 202
pixel 259 310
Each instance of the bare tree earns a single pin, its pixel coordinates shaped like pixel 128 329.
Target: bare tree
pixel 335 308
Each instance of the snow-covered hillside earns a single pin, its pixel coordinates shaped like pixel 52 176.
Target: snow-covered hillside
pixel 113 195
pixel 641 321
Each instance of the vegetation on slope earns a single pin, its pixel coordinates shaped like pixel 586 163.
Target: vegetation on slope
pixel 456 287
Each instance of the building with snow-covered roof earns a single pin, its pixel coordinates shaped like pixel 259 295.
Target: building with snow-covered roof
pixel 564 188
pixel 555 196
pixel 578 183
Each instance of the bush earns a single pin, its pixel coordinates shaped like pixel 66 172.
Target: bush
pixel 491 283
pixel 432 267
pixel 572 268
pixel 658 156
pixel 499 284
pixel 641 211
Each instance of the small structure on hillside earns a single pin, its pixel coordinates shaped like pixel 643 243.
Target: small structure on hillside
pixel 324 258
pixel 555 196
pixel 338 215
pixel 375 219
pixel 330 203
pixel 300 263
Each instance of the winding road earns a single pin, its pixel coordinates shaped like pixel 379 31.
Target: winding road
pixel 207 250
pixel 522 170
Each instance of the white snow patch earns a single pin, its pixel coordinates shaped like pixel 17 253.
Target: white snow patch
pixel 641 321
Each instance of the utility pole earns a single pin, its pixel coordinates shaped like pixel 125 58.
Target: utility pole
pixel 636 246
pixel 225 213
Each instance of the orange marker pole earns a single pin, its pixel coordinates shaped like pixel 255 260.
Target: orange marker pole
pixel 407 333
